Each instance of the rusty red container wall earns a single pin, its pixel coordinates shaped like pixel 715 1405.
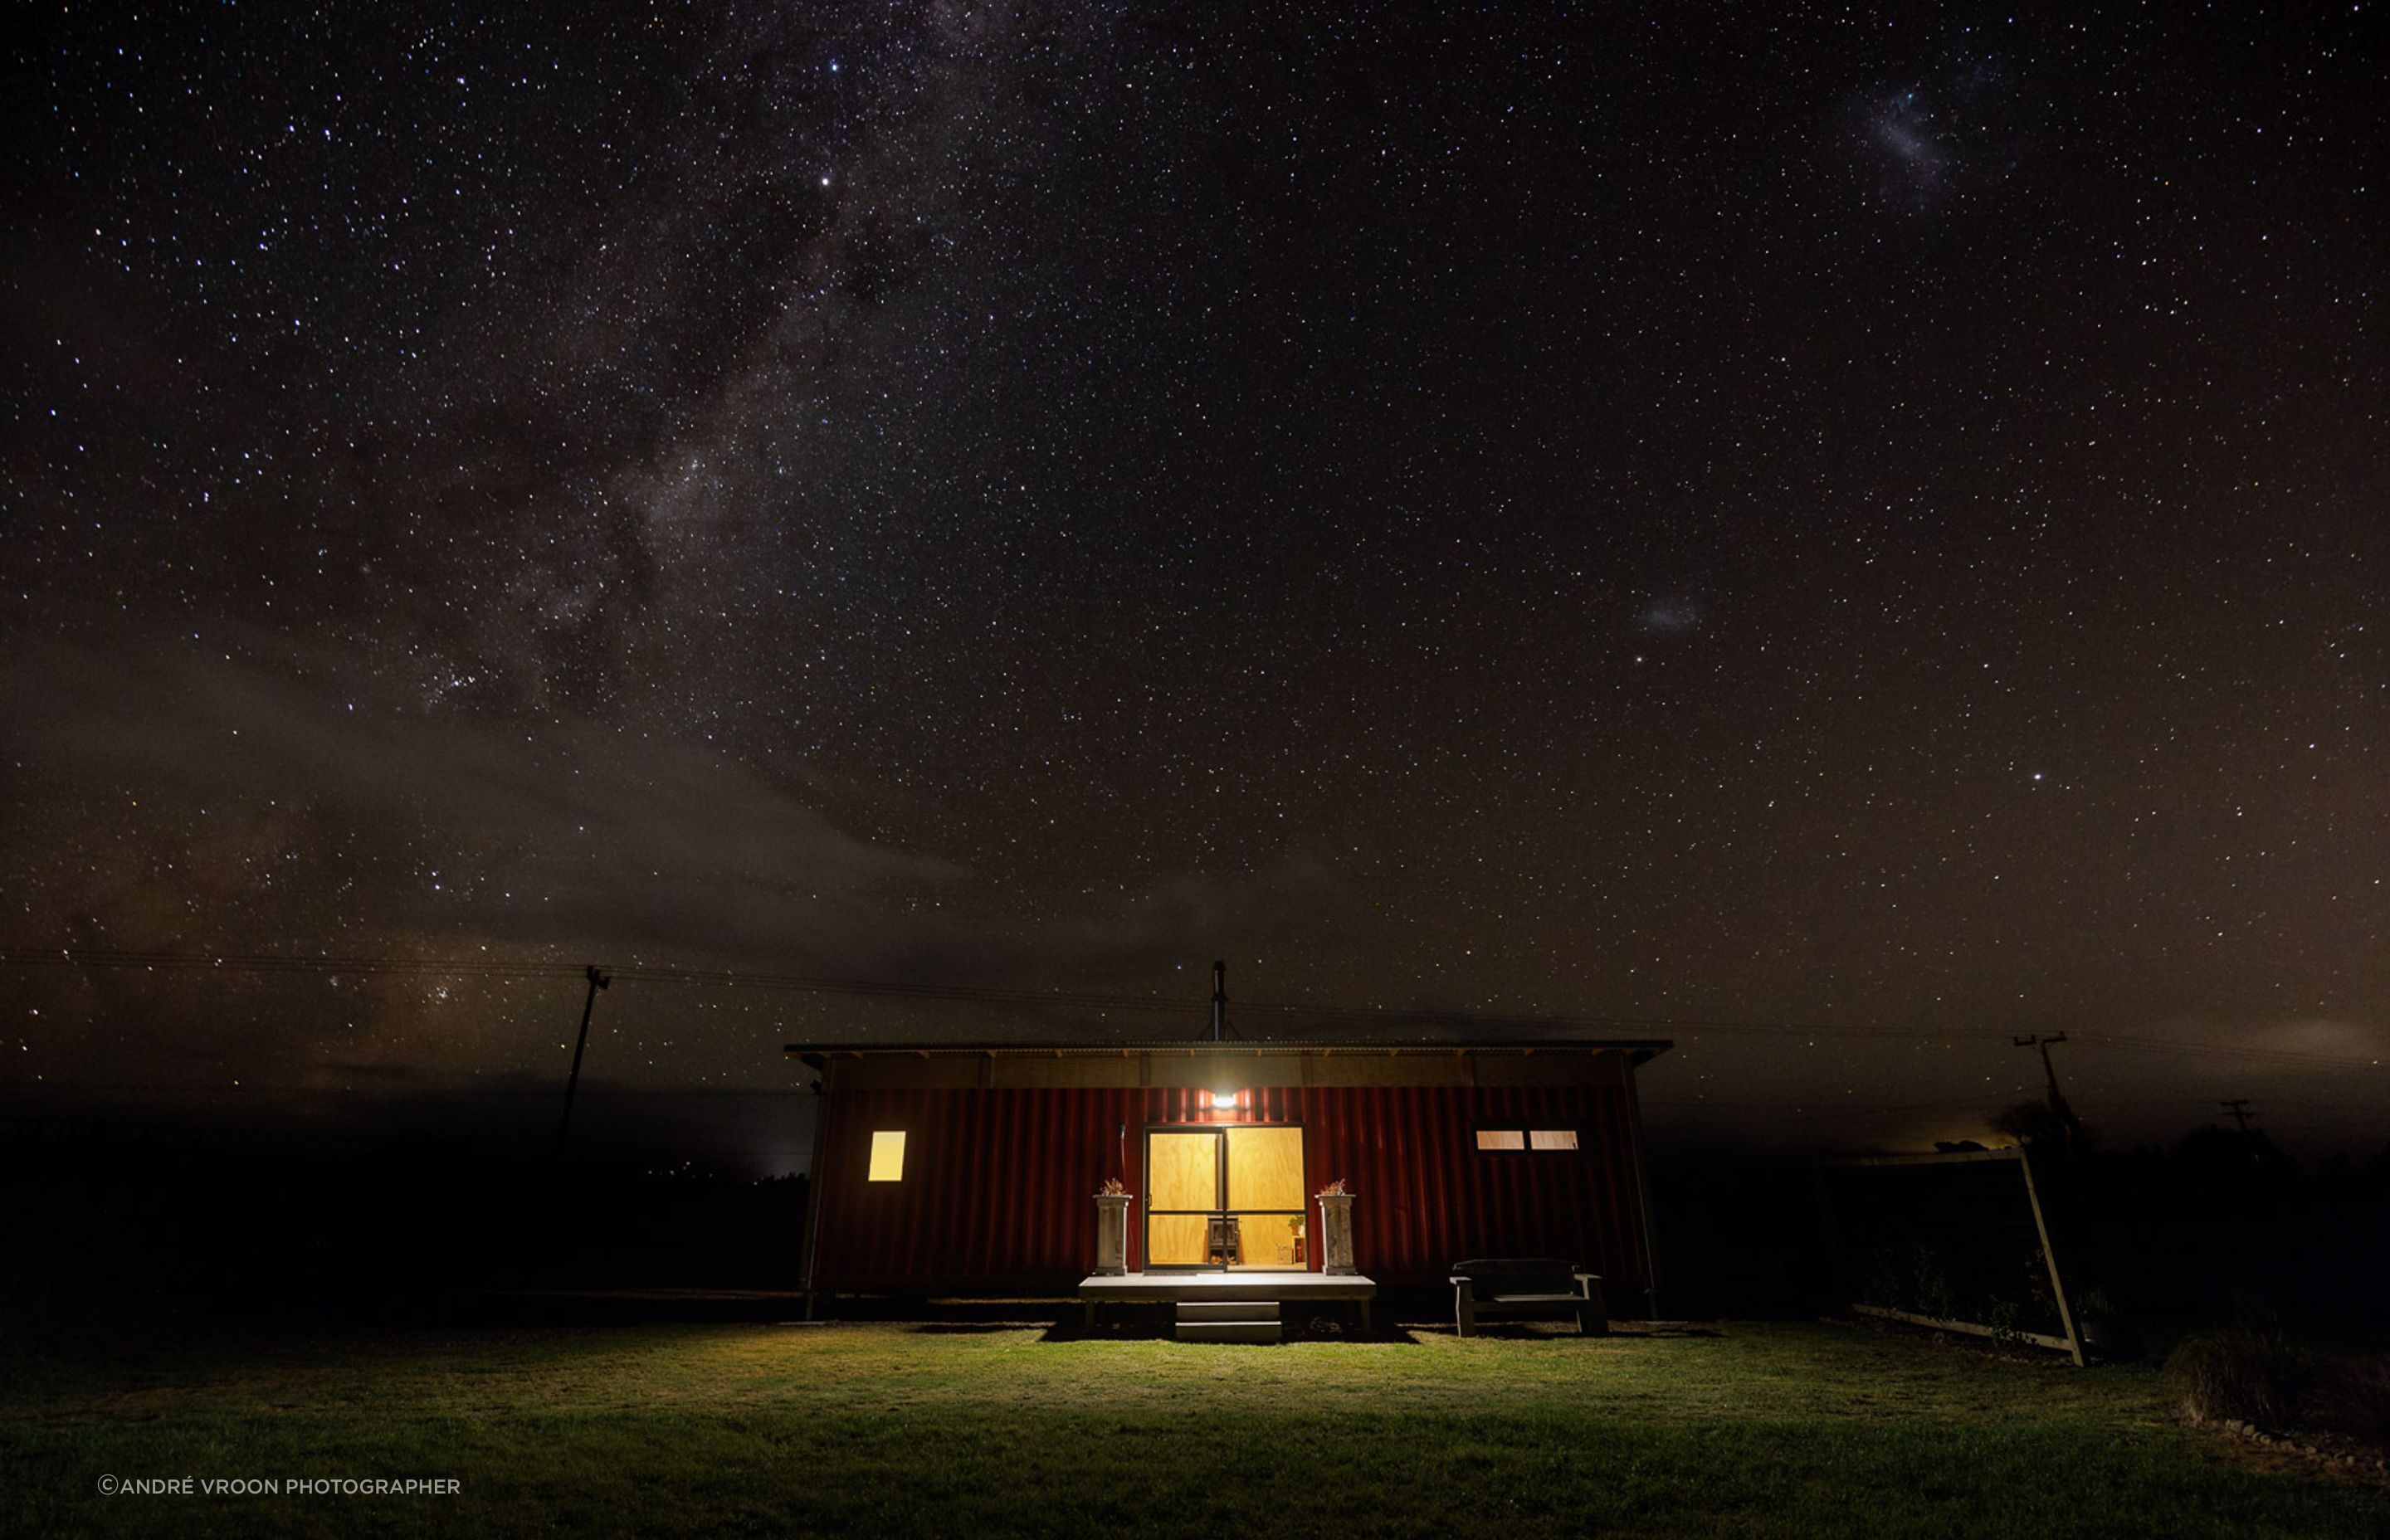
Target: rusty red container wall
pixel 997 1184
pixel 1429 1198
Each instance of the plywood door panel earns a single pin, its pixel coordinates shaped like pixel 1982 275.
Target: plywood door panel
pixel 1182 1171
pixel 1273 1242
pixel 1265 1168
pixel 1175 1239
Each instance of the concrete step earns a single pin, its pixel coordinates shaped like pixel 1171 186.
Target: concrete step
pixel 1228 1331
pixel 1228 1310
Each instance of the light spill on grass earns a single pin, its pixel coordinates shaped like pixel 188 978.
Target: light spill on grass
pixel 870 1428
pixel 1802 1372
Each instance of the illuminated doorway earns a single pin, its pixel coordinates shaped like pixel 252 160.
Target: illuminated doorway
pixel 1224 1197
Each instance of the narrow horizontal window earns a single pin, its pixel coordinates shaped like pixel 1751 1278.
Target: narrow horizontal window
pixel 1502 1138
pixel 1552 1138
pixel 888 1156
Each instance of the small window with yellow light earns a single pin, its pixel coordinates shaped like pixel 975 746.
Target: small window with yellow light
pixel 887 1156
pixel 1506 1139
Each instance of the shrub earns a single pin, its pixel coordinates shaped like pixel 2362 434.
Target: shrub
pixel 2235 1376
pixel 1882 1281
pixel 1936 1295
pixel 2352 1400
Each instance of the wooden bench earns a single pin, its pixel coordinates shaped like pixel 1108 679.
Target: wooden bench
pixel 1526 1286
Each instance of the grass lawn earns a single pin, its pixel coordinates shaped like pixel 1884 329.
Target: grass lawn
pixel 983 1430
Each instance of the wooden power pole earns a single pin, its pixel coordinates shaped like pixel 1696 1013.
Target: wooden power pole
pixel 573 1083
pixel 2238 1111
pixel 2058 1107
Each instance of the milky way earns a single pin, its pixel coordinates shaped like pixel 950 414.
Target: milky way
pixel 1740 519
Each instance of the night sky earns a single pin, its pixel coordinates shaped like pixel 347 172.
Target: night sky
pixel 1867 521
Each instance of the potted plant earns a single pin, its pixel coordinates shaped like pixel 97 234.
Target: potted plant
pixel 1111 1226
pixel 1336 1227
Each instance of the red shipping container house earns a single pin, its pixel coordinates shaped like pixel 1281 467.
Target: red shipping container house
pixel 973 1166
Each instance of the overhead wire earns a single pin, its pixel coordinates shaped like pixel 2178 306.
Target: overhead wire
pixel 1379 1019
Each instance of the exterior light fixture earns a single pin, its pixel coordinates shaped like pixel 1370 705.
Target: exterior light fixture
pixel 1224 1101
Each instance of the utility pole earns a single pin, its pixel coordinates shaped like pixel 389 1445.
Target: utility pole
pixel 596 982
pixel 2238 1111
pixel 2058 1108
pixel 1219 1002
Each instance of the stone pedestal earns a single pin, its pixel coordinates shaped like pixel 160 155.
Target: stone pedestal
pixel 1336 1233
pixel 1111 1233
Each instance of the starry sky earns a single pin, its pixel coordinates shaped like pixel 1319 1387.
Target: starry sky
pixel 1851 533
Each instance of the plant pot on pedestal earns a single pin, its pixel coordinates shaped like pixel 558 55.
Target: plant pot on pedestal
pixel 1336 1233
pixel 1111 1233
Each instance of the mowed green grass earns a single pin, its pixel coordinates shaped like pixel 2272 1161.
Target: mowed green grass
pixel 957 1429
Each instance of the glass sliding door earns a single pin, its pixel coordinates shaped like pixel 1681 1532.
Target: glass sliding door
pixel 1182 1179
pixel 1266 1200
pixel 1227 1196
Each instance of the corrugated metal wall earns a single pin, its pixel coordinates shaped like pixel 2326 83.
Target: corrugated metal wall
pixel 997 1186
pixel 1430 1198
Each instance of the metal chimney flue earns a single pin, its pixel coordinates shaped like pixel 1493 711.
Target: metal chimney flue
pixel 1219 1002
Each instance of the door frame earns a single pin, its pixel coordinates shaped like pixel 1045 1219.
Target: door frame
pixel 1219 1209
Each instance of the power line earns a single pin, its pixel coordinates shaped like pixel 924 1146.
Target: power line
pixel 2285 1055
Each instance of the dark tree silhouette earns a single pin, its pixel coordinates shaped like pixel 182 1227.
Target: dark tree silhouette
pixel 2036 1124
